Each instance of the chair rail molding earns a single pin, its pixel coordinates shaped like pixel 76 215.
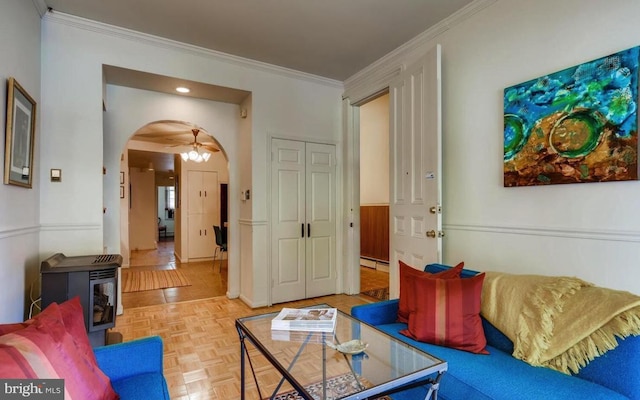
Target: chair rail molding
pixel 568 233
pixel 15 231
pixel 71 227
pixel 251 222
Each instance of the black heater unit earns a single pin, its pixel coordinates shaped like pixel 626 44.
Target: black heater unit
pixel 94 279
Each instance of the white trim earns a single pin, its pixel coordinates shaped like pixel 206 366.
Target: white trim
pixel 250 222
pixel 128 34
pixel 18 231
pixel 248 302
pixel 586 234
pixel 70 227
pixel 374 82
pixel 305 139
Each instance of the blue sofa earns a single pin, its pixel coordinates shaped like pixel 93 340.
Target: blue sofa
pixel 614 375
pixel 135 368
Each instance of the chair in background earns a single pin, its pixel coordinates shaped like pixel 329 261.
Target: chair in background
pixel 161 228
pixel 221 244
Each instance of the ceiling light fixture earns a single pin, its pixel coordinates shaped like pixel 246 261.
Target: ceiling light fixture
pixel 196 155
pixel 183 89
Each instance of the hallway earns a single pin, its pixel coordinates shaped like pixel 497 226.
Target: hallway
pixel 207 280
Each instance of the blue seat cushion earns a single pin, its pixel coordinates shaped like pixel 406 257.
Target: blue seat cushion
pixel 499 376
pixel 149 386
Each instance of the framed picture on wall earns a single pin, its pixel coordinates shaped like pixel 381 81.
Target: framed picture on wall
pixel 20 134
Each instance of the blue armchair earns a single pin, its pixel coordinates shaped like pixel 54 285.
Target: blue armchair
pixel 135 368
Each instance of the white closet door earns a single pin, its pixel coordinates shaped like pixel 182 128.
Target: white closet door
pixel 194 192
pixel 416 165
pixel 288 220
pixel 303 202
pixel 203 213
pixel 321 223
pixel 211 196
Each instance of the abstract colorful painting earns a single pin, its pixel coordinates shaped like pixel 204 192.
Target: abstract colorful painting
pixel 573 126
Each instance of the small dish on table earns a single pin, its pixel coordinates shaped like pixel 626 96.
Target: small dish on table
pixel 355 346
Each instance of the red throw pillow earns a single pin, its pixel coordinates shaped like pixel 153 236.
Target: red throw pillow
pixel 73 318
pixel 448 313
pixel 44 349
pixel 407 275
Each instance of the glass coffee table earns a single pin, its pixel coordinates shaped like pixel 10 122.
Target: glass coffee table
pixel 317 371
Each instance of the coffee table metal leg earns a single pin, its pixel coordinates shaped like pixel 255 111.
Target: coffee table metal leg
pixel 432 394
pixel 241 367
pixel 244 351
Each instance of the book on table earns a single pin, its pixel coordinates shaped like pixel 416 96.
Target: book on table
pixel 306 319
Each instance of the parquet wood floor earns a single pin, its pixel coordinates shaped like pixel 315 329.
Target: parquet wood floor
pixel 372 279
pixel 201 345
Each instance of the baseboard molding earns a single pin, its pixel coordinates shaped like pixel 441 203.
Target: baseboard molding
pixel 374 264
pixel 249 302
pixel 585 234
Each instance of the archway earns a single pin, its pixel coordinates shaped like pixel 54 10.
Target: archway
pixel 150 159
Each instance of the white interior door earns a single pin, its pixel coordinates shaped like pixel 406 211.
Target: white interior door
pixel 288 220
pixel 303 220
pixel 321 221
pixel 416 166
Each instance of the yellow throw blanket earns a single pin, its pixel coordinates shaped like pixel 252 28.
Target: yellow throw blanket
pixel 558 322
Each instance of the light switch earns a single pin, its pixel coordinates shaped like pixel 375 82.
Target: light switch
pixel 56 175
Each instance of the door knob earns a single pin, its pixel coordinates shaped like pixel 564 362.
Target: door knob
pixel 433 234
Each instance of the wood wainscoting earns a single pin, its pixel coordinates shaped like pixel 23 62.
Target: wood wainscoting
pixel 374 232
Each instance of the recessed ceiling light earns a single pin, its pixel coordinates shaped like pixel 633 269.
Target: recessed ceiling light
pixel 183 89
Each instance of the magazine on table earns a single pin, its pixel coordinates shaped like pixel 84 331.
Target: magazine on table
pixel 306 319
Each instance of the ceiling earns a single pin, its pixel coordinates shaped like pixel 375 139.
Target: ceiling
pixel 329 38
pixel 162 140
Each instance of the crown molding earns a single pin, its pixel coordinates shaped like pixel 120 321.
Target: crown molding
pixel 160 42
pixel 378 74
pixel 41 6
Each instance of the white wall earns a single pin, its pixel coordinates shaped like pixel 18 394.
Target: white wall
pixel 19 207
pixel 283 103
pixel 586 230
pixel 374 152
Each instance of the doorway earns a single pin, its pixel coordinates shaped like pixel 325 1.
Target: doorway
pixel 166 195
pixel 374 197
pixel 166 208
